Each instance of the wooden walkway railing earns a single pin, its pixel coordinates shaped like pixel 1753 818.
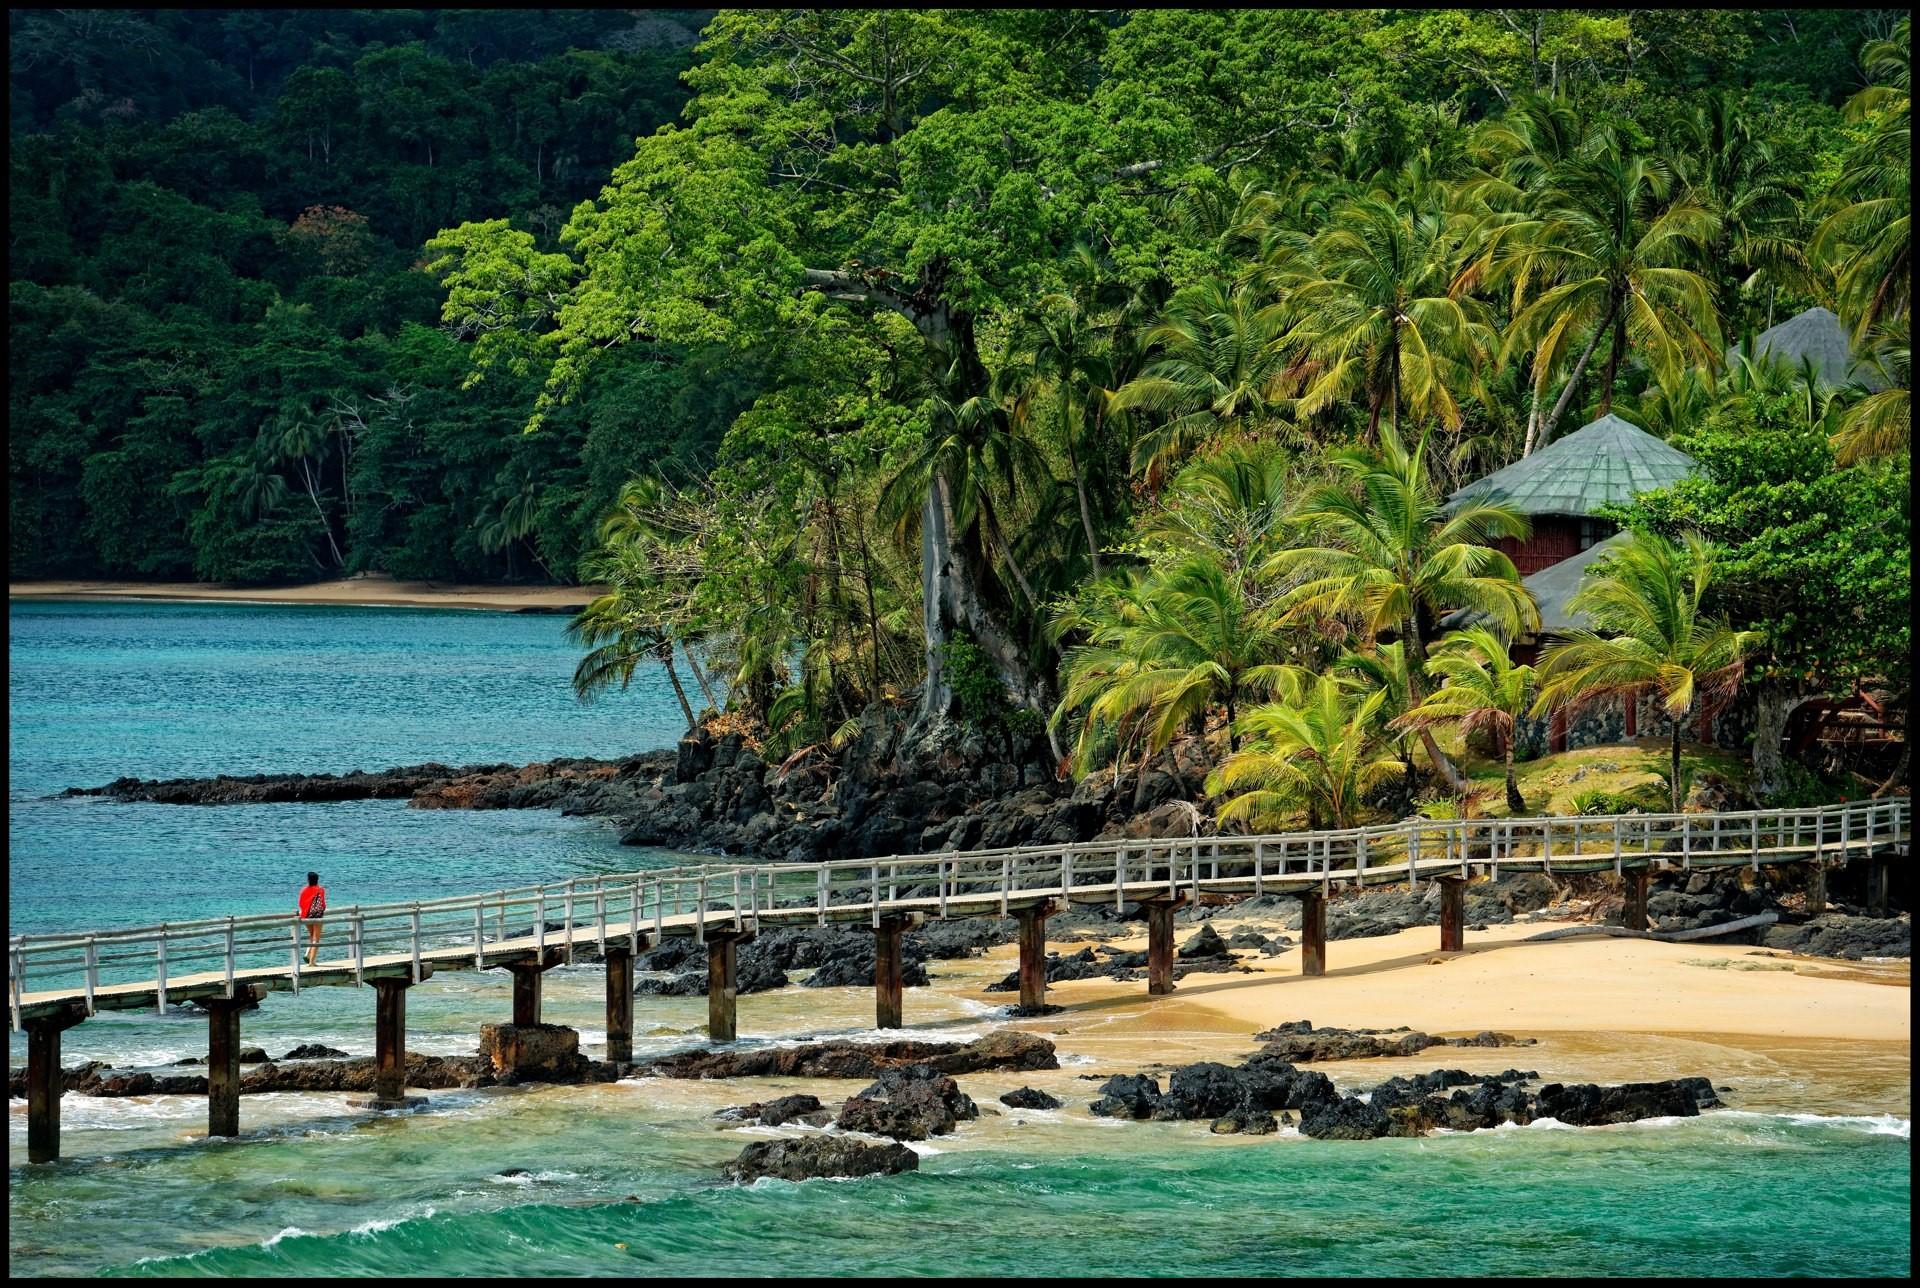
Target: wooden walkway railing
pixel 148 965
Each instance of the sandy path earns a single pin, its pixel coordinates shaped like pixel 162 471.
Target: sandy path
pixel 367 589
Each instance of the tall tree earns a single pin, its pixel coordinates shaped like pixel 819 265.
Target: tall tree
pixel 1649 637
pixel 1482 691
pixel 1392 555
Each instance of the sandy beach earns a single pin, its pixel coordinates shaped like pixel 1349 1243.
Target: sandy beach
pixel 1596 984
pixel 368 589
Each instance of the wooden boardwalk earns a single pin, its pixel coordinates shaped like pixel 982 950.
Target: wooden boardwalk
pixel 56 981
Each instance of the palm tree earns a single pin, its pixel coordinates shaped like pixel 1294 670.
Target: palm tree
pixel 299 440
pixel 629 622
pixel 1376 314
pixel 1320 750
pixel 973 463
pixel 1483 690
pixel 1392 554
pixel 1230 507
pixel 1735 176
pixel 1868 239
pixel 1649 636
pixel 1222 371
pixel 1881 424
pixel 1062 361
pixel 1382 668
pixel 1168 649
pixel 1610 246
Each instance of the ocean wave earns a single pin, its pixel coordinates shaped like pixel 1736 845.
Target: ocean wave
pixel 530 1178
pixel 1870 1124
pixel 377 1224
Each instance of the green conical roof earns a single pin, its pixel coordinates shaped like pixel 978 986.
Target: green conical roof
pixel 1608 462
pixel 1814 335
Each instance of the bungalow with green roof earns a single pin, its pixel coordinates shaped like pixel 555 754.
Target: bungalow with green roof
pixel 1560 489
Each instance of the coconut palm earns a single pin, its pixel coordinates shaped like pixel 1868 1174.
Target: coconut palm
pixel 1221 371
pixel 1375 314
pixel 1064 357
pixel 1609 246
pixel 1229 506
pixel 1320 751
pixel 1165 650
pixel 1881 424
pixel 1483 690
pixel 1649 636
pixel 1390 554
pixel 1735 176
pixel 1382 668
pixel 1868 238
pixel 628 623
pixel 980 454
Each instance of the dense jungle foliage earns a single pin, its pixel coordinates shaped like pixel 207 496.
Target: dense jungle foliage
pixel 1104 372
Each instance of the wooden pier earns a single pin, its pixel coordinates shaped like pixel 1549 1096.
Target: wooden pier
pixel 57 981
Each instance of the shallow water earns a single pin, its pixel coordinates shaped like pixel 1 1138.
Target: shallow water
pixel 1808 1173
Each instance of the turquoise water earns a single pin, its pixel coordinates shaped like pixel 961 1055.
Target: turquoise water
pixel 316 1187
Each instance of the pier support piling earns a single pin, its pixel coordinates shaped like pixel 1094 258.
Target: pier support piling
pixel 1816 887
pixel 45 1082
pixel 1033 954
pixel 1453 915
pixel 1633 914
pixel 619 1003
pixel 527 972
pixel 1160 944
pixel 887 972
pixel 723 985
pixel 1879 874
pixel 1313 933
pixel 223 1059
pixel 390 1041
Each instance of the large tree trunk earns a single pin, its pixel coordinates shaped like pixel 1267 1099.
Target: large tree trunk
pixel 951 600
pixel 1773 704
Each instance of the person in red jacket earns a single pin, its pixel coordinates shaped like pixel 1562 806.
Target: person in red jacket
pixel 313 906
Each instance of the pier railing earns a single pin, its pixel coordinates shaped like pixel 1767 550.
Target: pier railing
pixel 627 906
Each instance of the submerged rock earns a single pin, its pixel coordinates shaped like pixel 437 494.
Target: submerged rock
pixel 1004 1049
pixel 314 1051
pixel 1029 1098
pixel 1300 1042
pixel 811 1156
pixel 777 1113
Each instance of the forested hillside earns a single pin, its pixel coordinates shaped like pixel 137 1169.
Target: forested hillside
pixel 1106 371
pixel 225 359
